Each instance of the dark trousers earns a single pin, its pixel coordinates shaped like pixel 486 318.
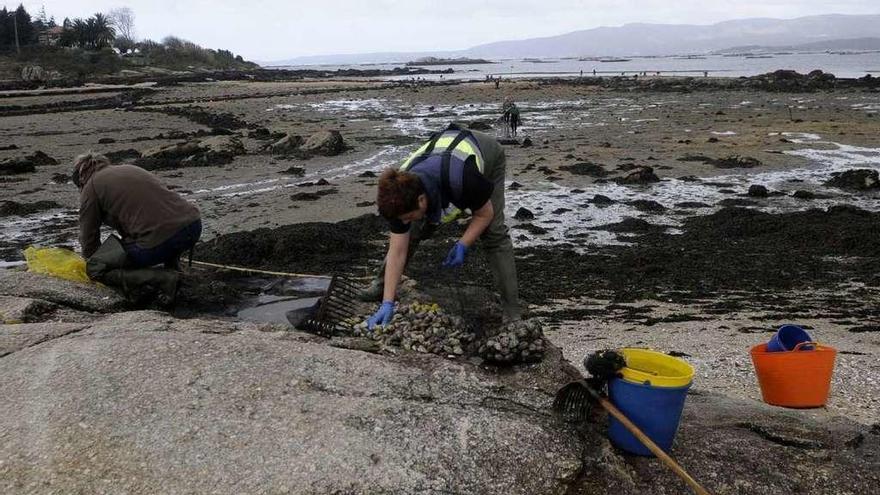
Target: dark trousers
pixel 167 253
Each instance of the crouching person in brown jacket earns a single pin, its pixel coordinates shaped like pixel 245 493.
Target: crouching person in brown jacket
pixel 155 226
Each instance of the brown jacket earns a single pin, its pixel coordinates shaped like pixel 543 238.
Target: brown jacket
pixel 135 203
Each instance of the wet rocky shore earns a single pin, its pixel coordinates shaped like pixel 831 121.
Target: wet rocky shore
pixel 692 216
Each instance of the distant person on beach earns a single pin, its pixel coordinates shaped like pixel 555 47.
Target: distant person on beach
pixel 455 170
pixel 510 117
pixel 155 226
pixel 497 82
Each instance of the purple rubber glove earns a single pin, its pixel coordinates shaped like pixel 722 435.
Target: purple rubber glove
pixel 456 256
pixel 383 315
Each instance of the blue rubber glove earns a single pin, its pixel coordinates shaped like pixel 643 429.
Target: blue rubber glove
pixel 456 255
pixel 383 316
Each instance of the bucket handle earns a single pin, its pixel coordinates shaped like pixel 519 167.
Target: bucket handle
pixel 802 344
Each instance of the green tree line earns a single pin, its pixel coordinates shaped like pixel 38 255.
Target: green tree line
pixel 21 19
pixel 101 32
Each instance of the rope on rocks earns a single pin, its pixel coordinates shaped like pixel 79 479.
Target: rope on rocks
pixel 263 272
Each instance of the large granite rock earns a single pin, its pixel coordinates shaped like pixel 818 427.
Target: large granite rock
pixel 327 143
pixel 212 151
pixel 172 151
pixel 222 144
pixel 74 295
pixel 287 144
pixel 152 404
pixel 640 175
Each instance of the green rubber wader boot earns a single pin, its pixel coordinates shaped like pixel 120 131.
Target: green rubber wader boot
pixel 145 285
pixel 109 256
pixel 495 241
pixel 503 269
pixel 139 285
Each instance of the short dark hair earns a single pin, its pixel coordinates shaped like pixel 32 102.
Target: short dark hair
pixel 398 193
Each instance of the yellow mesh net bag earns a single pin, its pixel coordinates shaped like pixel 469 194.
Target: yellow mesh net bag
pixel 57 262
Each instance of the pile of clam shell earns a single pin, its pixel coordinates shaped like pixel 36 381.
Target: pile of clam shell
pixel 517 342
pixel 423 328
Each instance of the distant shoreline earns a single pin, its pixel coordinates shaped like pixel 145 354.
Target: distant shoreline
pixel 674 80
pixel 449 61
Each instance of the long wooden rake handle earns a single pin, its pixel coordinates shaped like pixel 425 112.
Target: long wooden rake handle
pixel 647 442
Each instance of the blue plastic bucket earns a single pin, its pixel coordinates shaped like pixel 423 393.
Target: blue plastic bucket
pixel 787 338
pixel 655 410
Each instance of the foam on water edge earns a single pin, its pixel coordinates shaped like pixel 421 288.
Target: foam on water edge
pixel 374 163
pixel 18 227
pixel 575 225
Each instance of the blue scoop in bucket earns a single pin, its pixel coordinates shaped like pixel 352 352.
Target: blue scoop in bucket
pixel 787 338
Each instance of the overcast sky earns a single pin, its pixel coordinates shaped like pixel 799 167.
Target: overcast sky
pixel 269 30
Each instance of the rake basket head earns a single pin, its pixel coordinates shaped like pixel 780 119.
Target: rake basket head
pixel 574 401
pixel 335 310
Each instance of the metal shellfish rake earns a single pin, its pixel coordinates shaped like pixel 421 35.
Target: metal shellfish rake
pixel 336 311
pixel 574 401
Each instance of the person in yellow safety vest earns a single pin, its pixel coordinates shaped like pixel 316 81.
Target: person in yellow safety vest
pixel 456 169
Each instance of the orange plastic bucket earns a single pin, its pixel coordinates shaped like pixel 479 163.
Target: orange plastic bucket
pixel 797 378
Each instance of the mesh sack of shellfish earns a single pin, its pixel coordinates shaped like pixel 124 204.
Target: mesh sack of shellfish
pixel 423 328
pixel 517 342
